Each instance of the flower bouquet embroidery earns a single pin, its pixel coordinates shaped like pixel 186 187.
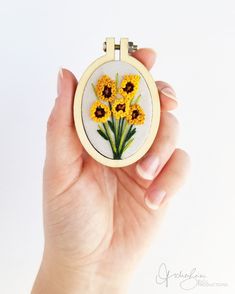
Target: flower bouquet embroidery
pixel 117 111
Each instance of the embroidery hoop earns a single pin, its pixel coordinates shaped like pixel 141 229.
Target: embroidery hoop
pixel 125 47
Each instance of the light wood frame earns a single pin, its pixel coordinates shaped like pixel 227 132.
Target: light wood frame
pixel 125 57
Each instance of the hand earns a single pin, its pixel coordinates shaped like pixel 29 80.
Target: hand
pixel 99 220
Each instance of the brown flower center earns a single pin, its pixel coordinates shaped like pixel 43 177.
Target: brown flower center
pixel 135 114
pixel 107 92
pixel 121 107
pixel 100 112
pixel 129 87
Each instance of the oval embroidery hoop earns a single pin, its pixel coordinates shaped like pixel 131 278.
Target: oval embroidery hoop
pixel 125 48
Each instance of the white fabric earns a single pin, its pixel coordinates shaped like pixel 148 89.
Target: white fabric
pixel 142 131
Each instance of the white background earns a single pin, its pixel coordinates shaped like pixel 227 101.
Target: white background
pixel 195 41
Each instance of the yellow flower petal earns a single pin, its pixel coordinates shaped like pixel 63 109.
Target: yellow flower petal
pixel 106 88
pixel 99 112
pixel 136 115
pixel 129 86
pixel 120 108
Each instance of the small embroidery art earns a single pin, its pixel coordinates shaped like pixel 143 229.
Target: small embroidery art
pixel 117 112
pixel 116 107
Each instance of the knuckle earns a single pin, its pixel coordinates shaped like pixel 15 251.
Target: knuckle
pixel 169 131
pixel 163 84
pixel 184 156
pixel 171 121
pixel 185 162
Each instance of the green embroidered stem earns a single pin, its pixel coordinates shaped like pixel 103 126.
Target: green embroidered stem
pixel 116 81
pixel 114 153
pixel 116 134
pixel 123 135
pixel 106 127
pixel 99 126
pixel 122 122
pixel 125 140
pixel 110 107
pixel 114 126
pixel 118 131
pixel 128 144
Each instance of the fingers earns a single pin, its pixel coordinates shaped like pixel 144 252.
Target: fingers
pixel 61 114
pixel 62 141
pixel 168 182
pixel 167 96
pixel 161 150
pixel 147 56
pixel 167 165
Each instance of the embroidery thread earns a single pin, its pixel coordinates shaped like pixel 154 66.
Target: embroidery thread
pixel 117 111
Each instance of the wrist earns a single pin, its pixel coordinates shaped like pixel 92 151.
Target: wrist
pixel 56 278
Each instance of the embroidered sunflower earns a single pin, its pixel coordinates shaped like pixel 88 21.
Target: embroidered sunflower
pixel 117 111
pixel 106 88
pixel 136 115
pixel 120 108
pixel 100 112
pixel 129 86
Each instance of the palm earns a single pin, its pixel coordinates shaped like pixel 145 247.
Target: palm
pixel 101 214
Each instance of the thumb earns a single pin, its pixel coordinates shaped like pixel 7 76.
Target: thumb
pixel 63 145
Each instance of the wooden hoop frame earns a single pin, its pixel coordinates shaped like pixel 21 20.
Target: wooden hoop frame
pixel 110 56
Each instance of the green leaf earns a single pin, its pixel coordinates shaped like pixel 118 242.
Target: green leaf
pixel 111 126
pixel 109 136
pixel 128 144
pixel 124 132
pixel 116 80
pixel 102 134
pixel 130 134
pixel 136 100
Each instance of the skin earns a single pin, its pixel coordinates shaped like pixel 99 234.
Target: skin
pixel 96 221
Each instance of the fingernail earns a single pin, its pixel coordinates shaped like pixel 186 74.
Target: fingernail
pixel 59 80
pixel 154 198
pixel 147 168
pixel 169 92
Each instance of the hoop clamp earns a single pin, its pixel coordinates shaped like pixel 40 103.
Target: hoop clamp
pixel 131 47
